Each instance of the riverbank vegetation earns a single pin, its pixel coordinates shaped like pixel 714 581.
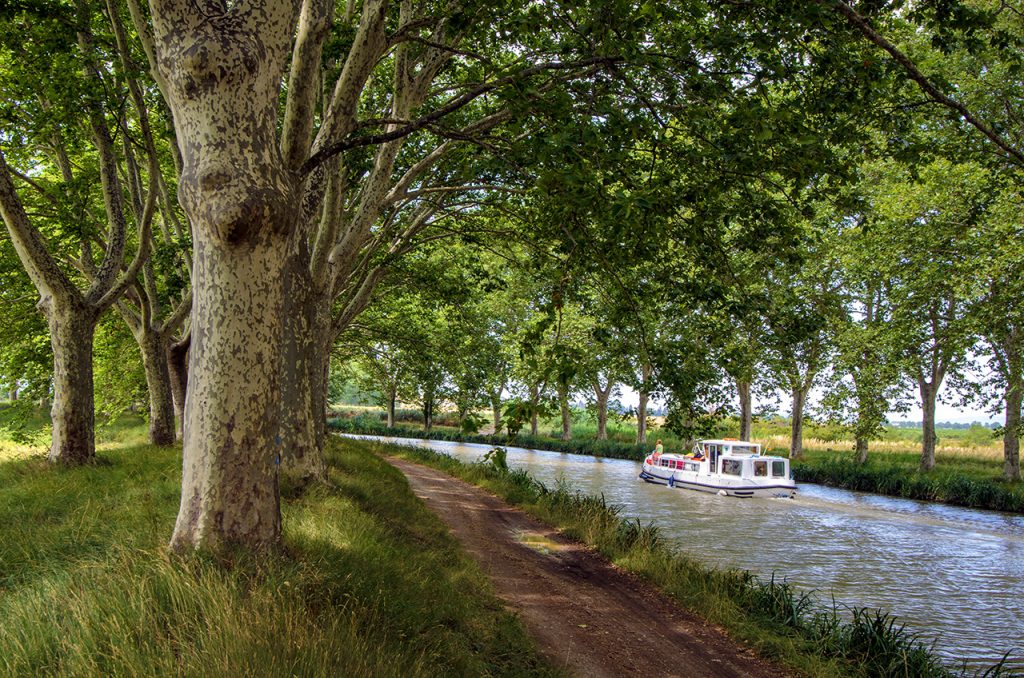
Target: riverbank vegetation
pixel 368 582
pixel 968 470
pixel 796 628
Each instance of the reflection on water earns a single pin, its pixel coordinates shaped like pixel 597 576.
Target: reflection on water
pixel 955 576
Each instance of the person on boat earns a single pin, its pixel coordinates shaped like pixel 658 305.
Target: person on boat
pixel 658 449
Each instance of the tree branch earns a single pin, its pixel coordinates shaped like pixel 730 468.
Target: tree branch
pixel 861 24
pixel 448 108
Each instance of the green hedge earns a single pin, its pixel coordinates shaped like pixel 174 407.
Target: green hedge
pixel 371 425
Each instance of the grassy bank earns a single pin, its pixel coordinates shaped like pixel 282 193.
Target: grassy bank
pixel 369 582
pixel 962 480
pixel 371 425
pixel 791 627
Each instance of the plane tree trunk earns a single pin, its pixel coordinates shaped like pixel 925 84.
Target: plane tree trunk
pixel 304 378
pixel 641 408
pixel 72 325
pixel 796 429
pixel 563 406
pixel 746 410
pixel 177 370
pixel 601 396
pixel 154 347
pixel 929 392
pixel 221 80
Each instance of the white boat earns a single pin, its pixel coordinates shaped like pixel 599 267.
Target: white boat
pixel 727 467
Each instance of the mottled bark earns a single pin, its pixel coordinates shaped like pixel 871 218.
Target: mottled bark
pixel 862 449
pixel 1011 432
pixel 221 76
pixel 746 409
pixel 534 402
pixel 641 408
pixel 601 397
pixel 563 406
pixel 928 439
pixel 72 414
pixel 392 397
pixel 496 413
pixel 177 369
pixel 303 377
pixel 428 411
pixel 233 408
pixel 12 394
pixel 154 348
pixel 796 429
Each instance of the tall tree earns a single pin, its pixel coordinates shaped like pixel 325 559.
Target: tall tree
pixel 65 197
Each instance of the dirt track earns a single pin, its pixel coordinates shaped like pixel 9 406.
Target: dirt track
pixel 586 616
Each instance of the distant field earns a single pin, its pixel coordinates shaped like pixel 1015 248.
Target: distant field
pixel 976 442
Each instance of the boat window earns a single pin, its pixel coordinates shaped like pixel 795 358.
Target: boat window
pixel 760 469
pixel 732 466
pixel 778 469
pixel 691 466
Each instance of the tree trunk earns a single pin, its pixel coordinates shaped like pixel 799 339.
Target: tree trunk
pixel 221 77
pixel 534 401
pixel 73 413
pixel 746 410
pixel 496 414
pixel 233 409
pixel 177 369
pixel 153 346
pixel 563 405
pixel 392 397
pixel 12 395
pixel 641 408
pixel 428 412
pixel 305 364
pixel 862 450
pixel 602 409
pixel 928 395
pixel 1011 433
pixel 796 431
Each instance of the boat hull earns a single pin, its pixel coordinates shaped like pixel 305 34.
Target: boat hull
pixel 703 483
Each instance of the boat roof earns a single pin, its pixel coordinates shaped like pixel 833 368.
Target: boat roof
pixel 735 443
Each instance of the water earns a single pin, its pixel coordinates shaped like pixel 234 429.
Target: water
pixel 954 576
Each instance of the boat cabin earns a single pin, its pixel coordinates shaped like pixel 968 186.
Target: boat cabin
pixel 712 449
pixel 753 467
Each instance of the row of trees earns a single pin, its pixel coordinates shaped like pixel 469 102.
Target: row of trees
pixel 238 181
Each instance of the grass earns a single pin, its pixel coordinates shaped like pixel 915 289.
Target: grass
pixel 968 468
pixel 368 583
pixel 770 616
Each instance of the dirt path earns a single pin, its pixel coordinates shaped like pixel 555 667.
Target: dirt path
pixel 586 615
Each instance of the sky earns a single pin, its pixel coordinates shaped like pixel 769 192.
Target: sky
pixel 943 412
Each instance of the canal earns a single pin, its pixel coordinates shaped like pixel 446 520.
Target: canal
pixel 954 576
